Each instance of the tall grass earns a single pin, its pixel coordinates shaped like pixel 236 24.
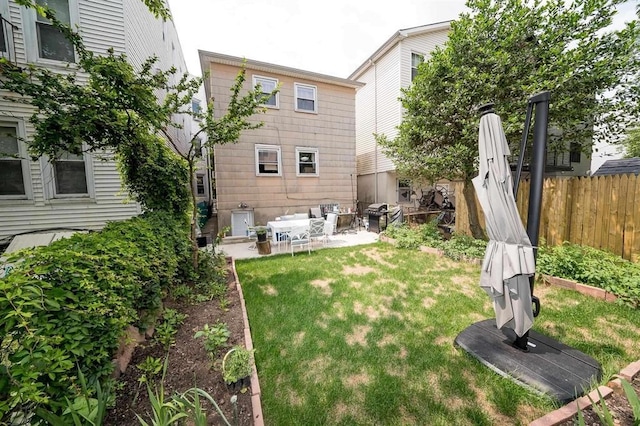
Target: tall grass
pixel 364 335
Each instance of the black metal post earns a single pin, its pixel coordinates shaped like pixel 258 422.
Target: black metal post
pixel 538 161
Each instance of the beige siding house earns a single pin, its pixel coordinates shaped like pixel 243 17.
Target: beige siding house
pixel 302 157
pixel 77 192
pixel 378 110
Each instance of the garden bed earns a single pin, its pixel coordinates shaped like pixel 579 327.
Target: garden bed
pixel 189 363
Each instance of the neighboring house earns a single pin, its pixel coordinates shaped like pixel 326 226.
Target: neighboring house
pixel 302 157
pixel 619 167
pixel 80 192
pixel 378 111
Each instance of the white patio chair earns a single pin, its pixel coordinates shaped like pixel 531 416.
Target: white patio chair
pixel 333 218
pixel 301 216
pixel 299 237
pixel 327 232
pixel 252 234
pixel 316 229
pixel 282 239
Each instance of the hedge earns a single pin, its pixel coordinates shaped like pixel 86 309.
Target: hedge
pixel 65 306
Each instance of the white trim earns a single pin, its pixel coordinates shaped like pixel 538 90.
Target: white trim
pixel 255 79
pixel 399 188
pixel 24 159
pixel 261 147
pixel 315 97
pixel 301 149
pixel 48 176
pixel 411 67
pixel 8 35
pixel 29 18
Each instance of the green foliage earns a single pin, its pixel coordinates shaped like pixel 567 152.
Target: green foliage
pixel 150 368
pixel 215 337
pixel 167 329
pixel 594 267
pixel 632 143
pixel 409 237
pixel 69 303
pixel 237 364
pixel 505 51
pixel 462 246
pixel 633 398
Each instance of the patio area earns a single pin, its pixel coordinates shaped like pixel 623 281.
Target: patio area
pixel 243 248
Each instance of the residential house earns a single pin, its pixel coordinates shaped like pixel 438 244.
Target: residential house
pixel 302 157
pixel 378 111
pixel 80 192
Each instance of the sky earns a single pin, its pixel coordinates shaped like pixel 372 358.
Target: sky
pixel 328 36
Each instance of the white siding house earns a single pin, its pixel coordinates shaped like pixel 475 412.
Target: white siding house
pixel 78 192
pixel 378 109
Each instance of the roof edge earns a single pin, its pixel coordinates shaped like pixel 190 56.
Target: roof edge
pixel 221 58
pixel 393 40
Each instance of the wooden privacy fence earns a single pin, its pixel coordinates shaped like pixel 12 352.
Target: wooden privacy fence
pixel 601 212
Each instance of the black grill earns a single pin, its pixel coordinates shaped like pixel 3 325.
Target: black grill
pixel 377 217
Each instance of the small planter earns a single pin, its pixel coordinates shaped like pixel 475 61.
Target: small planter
pixel 237 386
pixel 262 236
pixel 237 368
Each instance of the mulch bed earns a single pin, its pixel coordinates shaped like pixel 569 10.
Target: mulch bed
pixel 189 364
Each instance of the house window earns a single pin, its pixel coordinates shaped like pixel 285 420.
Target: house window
pixel 268 160
pixel 575 153
pixel 200 185
pixel 195 107
pixel 52 43
pixel 70 175
pixel 3 42
pixel 307 161
pixel 404 191
pixel 416 59
pixel 267 85
pixel 13 165
pixel 306 98
pixel 6 30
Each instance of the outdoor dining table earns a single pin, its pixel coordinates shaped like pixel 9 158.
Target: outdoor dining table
pixel 283 226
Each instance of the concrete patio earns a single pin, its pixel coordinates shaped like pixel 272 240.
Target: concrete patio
pixel 242 248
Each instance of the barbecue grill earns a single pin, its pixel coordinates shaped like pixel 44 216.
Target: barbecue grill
pixel 377 216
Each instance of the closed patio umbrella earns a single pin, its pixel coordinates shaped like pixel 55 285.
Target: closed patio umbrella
pixel 509 259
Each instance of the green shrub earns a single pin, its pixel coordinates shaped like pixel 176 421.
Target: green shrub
pixel 413 237
pixel 463 246
pixel 68 304
pixel 593 267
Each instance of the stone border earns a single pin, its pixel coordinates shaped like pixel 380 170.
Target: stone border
pixel 565 413
pixel 256 405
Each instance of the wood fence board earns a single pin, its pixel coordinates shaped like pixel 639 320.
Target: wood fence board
pixel 614 237
pixel 635 234
pixel 567 217
pixel 628 228
pixel 603 213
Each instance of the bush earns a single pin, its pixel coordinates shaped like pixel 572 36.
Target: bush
pixel 409 237
pixel 68 304
pixel 594 267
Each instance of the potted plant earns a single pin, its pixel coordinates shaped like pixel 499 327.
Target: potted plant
pixel 261 232
pixel 237 367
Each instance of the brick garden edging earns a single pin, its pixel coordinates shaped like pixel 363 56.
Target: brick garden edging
pixel 256 404
pixel 596 292
pixel 565 413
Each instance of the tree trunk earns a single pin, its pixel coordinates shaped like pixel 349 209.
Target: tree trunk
pixel 472 209
pixel 194 215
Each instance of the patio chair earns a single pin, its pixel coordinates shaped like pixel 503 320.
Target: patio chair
pixel 333 218
pixel 327 232
pixel 281 239
pixel 316 229
pixel 299 237
pixel 315 212
pixel 252 234
pixel 301 216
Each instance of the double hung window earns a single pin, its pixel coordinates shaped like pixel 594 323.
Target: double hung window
pixel 307 161
pixel 268 160
pixel 267 85
pixel 52 44
pixel 13 163
pixel 306 98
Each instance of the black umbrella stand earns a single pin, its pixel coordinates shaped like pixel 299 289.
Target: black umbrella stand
pixel 535 361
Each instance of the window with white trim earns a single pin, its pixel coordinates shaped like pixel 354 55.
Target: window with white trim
pixel 52 44
pixel 416 59
pixel 200 185
pixel 6 30
pixel 306 161
pixel 70 175
pixel 14 163
pixel 268 85
pixel 306 97
pixel 268 160
pixel 404 190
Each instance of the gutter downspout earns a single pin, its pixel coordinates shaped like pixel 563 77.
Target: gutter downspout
pixel 375 129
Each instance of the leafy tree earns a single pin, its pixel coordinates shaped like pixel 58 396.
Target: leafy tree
pixel 631 143
pixel 117 109
pixel 505 51
pixel 157 7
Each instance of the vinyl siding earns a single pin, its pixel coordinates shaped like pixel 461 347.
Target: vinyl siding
pixel 422 44
pixel 331 131
pixel 127 26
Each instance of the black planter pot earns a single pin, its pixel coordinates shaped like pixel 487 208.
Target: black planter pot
pixel 236 387
pixel 262 237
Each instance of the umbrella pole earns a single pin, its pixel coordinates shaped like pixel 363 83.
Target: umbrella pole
pixel 538 161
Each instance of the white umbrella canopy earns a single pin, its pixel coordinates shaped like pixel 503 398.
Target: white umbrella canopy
pixel 509 259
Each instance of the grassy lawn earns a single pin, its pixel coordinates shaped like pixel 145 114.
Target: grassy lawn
pixel 364 335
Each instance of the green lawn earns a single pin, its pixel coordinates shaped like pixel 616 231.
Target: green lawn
pixel 364 335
